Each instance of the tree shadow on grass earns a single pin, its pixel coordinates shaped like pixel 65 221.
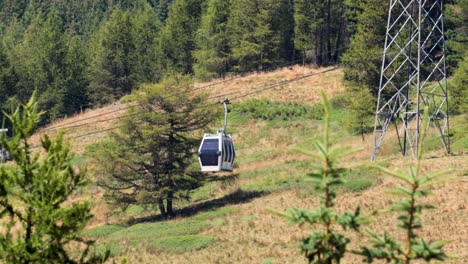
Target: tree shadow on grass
pixel 237 197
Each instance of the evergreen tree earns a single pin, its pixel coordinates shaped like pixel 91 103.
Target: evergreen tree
pixel 39 64
pixel 363 60
pixel 320 29
pixel 7 80
pixel 177 40
pixel 255 42
pixel 416 185
pixel 161 7
pixel 149 161
pixel 75 83
pixel 325 245
pixel 11 9
pixel 456 31
pixel 353 9
pixel 144 34
pixel 212 40
pixel 112 60
pixel 39 224
pixel 458 89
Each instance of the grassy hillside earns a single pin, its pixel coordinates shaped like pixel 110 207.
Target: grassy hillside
pixel 230 222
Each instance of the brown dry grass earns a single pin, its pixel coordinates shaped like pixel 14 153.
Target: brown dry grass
pixel 305 91
pixel 253 234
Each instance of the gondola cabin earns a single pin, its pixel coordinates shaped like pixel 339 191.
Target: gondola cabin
pixel 216 153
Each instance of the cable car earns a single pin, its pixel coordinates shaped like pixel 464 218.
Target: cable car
pixel 216 152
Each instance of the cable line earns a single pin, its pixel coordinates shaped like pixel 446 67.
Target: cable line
pixel 54 128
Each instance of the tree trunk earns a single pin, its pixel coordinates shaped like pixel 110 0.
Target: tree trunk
pixel 162 209
pixel 170 211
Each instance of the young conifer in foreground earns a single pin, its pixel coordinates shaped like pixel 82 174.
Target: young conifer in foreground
pixel 38 224
pixel 325 244
pixel 416 185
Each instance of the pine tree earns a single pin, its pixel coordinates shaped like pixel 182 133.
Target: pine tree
pixel 161 7
pixel 39 64
pixel 254 42
pixel 212 55
pixel 363 60
pixel 145 32
pixel 320 29
pixel 353 9
pixel 325 245
pixel 75 95
pixel 38 223
pixel 177 41
pixel 458 89
pixel 416 185
pixel 456 31
pixel 7 80
pixel 112 60
pixel 149 161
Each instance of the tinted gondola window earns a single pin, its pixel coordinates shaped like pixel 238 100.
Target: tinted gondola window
pixel 229 147
pixel 225 153
pixel 233 152
pixel 209 152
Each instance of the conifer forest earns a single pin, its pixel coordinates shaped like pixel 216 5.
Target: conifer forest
pixel 104 105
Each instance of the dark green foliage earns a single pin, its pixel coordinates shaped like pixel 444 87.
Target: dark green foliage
pixel 91 52
pixel 149 161
pixel 325 244
pixel 75 82
pixel 112 60
pixel 363 58
pixel 177 41
pixel 456 24
pixel 212 56
pixel 361 104
pixel 320 29
pixel 363 61
pixel 268 110
pixel 145 33
pixel 458 89
pixel 257 33
pixel 39 64
pixel 39 225
pixel 414 247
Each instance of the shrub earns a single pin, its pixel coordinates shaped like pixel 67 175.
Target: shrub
pixel 325 244
pixel 269 110
pixel 409 208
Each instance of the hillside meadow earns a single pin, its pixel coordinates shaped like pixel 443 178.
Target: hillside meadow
pixel 230 221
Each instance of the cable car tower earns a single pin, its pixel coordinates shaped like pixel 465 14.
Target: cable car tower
pixel 413 74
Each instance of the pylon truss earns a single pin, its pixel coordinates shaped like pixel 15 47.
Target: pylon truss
pixel 413 74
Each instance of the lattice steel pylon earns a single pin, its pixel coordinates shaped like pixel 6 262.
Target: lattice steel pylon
pixel 413 74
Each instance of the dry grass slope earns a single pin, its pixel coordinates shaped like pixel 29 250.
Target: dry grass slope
pixel 252 234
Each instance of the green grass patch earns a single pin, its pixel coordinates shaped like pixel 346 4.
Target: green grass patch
pixel 79 161
pixel 269 110
pixel 102 231
pixel 134 210
pixel 182 243
pixel 113 247
pixel 360 178
pixel 275 178
pixel 210 215
pixel 177 235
